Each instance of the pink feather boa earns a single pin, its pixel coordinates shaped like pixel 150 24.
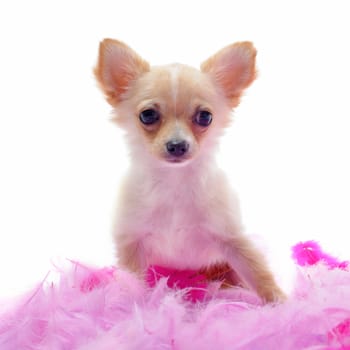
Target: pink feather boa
pixel 109 309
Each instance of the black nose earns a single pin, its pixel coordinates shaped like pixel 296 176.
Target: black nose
pixel 177 148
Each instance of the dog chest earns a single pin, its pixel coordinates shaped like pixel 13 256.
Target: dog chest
pixel 180 230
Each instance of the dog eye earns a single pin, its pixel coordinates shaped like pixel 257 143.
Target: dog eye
pixel 203 118
pixel 149 116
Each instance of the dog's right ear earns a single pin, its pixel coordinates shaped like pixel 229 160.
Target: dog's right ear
pixel 117 67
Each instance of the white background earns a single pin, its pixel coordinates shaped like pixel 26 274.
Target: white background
pixel 61 159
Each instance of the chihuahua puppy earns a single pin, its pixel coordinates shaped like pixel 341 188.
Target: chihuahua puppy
pixel 176 208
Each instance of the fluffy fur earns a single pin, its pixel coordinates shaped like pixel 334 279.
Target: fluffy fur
pixel 180 212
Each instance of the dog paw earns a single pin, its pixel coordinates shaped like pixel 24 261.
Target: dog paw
pixel 272 295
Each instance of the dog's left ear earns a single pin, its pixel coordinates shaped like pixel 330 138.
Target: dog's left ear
pixel 233 69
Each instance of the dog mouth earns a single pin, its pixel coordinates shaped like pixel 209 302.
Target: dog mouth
pixel 176 160
pixel 172 160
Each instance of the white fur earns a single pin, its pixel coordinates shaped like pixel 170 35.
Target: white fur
pixel 179 220
pixel 174 73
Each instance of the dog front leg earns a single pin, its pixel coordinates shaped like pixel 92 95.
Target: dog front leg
pixel 129 254
pixel 250 266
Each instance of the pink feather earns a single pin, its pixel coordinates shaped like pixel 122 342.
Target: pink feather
pixel 109 309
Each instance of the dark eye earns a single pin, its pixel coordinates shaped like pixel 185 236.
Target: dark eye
pixel 203 118
pixel 149 116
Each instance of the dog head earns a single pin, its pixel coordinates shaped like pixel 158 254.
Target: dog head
pixel 174 113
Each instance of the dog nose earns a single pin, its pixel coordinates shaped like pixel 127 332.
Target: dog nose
pixel 177 148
